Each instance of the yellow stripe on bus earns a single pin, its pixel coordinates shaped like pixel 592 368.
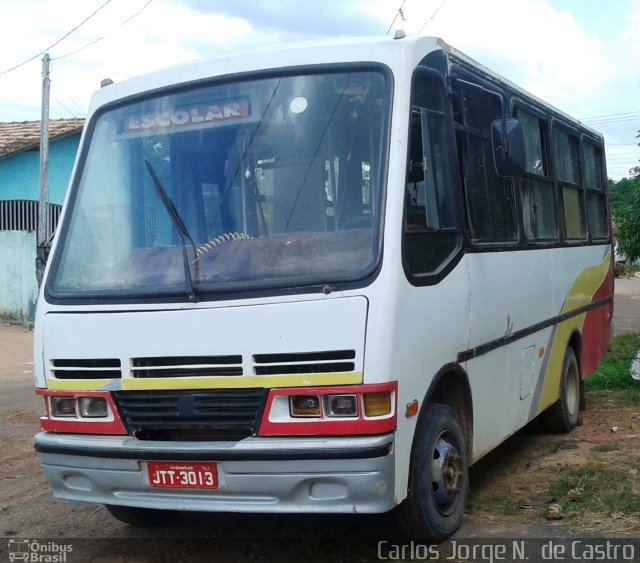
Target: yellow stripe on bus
pixel 236 382
pixel 580 294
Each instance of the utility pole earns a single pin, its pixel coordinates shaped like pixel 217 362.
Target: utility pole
pixel 43 216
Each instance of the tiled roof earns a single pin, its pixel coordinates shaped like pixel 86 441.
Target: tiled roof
pixel 18 136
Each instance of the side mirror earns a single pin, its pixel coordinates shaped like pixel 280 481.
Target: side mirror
pixel 508 147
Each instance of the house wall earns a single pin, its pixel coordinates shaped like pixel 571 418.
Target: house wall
pixel 18 285
pixel 20 173
pixel 20 179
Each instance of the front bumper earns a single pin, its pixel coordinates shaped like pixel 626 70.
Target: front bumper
pixel 329 475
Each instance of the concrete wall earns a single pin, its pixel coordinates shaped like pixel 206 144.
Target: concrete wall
pixel 20 173
pixel 18 284
pixel 20 179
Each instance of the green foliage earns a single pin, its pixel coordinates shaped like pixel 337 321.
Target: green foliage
pixel 625 209
pixel 602 487
pixel 615 370
pixel 607 447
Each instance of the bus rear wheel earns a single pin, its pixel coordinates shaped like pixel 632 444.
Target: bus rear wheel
pixel 140 516
pixel 439 477
pixel 563 415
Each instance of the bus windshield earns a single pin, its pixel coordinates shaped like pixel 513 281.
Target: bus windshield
pixel 264 183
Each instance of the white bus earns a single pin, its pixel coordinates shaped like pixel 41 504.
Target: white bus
pixel 325 278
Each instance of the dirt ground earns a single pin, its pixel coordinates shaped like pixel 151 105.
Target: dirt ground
pixel 520 467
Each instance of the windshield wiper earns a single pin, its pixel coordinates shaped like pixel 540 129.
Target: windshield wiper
pixel 181 228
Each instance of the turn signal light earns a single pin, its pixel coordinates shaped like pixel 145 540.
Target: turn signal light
pixel 377 404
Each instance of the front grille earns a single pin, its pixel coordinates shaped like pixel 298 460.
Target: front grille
pixel 107 368
pixel 186 366
pixel 305 362
pixel 191 415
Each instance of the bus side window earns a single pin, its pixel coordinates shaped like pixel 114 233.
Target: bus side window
pixel 568 176
pixel 594 183
pixel 430 229
pixel 536 187
pixel 489 198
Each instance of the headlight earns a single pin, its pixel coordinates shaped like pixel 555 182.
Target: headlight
pixel 93 407
pixel 341 405
pixel 305 405
pixel 63 406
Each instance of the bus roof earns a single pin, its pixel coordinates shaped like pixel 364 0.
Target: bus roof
pixel 401 54
pixel 454 54
pixel 397 54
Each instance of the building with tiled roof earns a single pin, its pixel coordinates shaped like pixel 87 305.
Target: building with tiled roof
pixel 19 195
pixel 20 158
pixel 18 136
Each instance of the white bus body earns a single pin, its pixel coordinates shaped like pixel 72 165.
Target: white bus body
pixel 315 350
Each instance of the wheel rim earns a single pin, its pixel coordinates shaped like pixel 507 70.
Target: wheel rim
pixel 573 390
pixel 446 474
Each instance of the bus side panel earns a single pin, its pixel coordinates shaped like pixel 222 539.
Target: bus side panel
pixel 596 334
pixel 521 379
pixel 510 292
pixel 582 292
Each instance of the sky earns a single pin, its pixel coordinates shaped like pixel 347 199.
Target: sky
pixel 582 56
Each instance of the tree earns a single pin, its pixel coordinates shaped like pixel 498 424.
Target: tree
pixel 625 209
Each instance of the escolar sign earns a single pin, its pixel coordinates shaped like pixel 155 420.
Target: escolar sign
pixel 188 117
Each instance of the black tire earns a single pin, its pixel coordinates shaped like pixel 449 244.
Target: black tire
pixel 439 485
pixel 140 516
pixel 563 416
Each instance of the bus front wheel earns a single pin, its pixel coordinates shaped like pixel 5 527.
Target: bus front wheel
pixel 439 477
pixel 140 516
pixel 563 415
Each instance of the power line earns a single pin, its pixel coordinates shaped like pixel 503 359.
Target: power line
pixel 398 13
pixel 609 115
pixel 65 107
pixel 612 120
pixel 432 16
pixel 58 41
pixel 125 22
pixel 57 83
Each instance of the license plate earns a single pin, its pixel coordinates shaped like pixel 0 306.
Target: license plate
pixel 179 475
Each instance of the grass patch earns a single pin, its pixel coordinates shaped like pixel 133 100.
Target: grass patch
pixel 606 447
pixel 505 505
pixel 615 370
pixel 597 490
